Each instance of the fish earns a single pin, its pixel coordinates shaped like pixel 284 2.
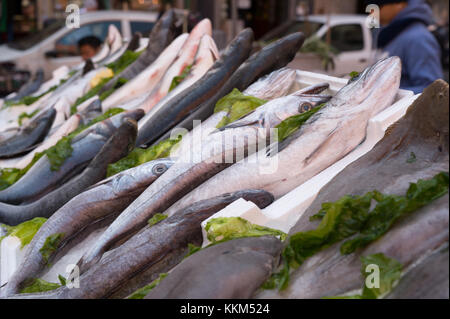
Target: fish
pixel 163 33
pixel 28 136
pixel 114 149
pixel 96 203
pixel 269 59
pixel 275 85
pixel 330 134
pixel 148 78
pixel 166 115
pixel 135 41
pixel 231 270
pixel 424 131
pixel 185 58
pixel 68 127
pixel 429 279
pixel 40 179
pixel 154 250
pixel 217 152
pixel 29 88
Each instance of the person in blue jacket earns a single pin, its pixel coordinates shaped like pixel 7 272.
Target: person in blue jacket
pixel 404 33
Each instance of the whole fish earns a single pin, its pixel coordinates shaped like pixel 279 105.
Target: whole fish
pixel 163 33
pixel 147 79
pixel 29 88
pixel 154 250
pixel 184 59
pixel 68 127
pixel 40 179
pixel 99 201
pixel 231 270
pixel 429 279
pixel 424 131
pixel 114 149
pixel 325 138
pixel 206 55
pixel 31 134
pixel 270 58
pixel 218 151
pixel 167 114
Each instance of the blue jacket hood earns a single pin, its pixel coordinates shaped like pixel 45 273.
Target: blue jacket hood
pixel 416 11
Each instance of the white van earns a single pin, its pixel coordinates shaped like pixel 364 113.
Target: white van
pixel 56 45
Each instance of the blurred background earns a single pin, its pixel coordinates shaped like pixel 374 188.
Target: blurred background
pixel 33 33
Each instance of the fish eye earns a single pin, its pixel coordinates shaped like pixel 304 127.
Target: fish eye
pixel 159 169
pixel 305 107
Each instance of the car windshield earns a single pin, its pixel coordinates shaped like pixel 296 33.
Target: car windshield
pixel 32 40
pixel 308 28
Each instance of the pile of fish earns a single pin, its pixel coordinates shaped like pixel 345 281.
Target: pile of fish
pixel 148 217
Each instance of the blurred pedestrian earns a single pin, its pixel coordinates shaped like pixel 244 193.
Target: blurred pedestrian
pixel 405 34
pixel 89 47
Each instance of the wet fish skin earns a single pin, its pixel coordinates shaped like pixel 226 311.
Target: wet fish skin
pixel 29 88
pixel 27 137
pixel 343 121
pixel 88 207
pixel 159 247
pixel 117 147
pixel 40 179
pixel 427 280
pixel 231 270
pixel 269 59
pixel 174 110
pixel 133 45
pixel 217 152
pixel 163 33
pixel 424 131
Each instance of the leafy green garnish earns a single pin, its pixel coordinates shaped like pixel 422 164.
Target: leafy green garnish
pixel 24 115
pixel 58 153
pixel 156 219
pixel 320 48
pixel 390 272
pixel 8 176
pixel 178 79
pixel 237 105
pixel 350 216
pixel 39 285
pixel 141 293
pixel 51 244
pixel 117 67
pixel 192 250
pixel 412 158
pixel 140 156
pixel 353 76
pixel 25 231
pixel 62 280
pixel 293 123
pixel 228 228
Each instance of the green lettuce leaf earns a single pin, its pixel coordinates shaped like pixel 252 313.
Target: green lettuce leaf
pixel 8 176
pixel 141 293
pixel 140 156
pixel 25 231
pixel 51 244
pixel 39 285
pixel 237 105
pixel 293 124
pixel 178 79
pixel 156 219
pixel 228 228
pixel 351 216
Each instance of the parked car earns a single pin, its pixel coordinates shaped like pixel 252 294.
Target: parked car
pixel 348 34
pixel 56 45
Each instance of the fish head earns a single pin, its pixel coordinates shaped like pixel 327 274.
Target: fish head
pixel 292 106
pixel 202 28
pixel 162 165
pixel 379 82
